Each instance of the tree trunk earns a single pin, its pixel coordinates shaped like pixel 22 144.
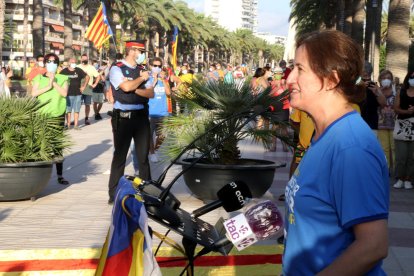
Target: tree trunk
pixel 25 33
pixel 340 15
pixel 358 21
pixel 113 48
pixel 92 10
pixel 37 29
pixel 376 48
pixel 68 30
pixel 369 28
pixel 398 37
pixel 348 17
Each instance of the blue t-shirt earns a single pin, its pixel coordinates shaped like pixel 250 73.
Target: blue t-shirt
pixel 341 181
pixel 158 105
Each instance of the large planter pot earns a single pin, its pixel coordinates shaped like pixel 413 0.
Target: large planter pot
pixel 23 180
pixel 204 180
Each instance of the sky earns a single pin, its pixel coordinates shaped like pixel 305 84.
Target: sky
pixel 273 15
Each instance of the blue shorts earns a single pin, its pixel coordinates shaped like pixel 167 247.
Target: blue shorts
pixel 73 103
pixel 87 99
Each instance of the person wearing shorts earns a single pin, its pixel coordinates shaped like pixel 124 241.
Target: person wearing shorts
pixel 74 98
pixel 98 97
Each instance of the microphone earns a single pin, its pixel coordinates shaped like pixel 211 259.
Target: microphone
pixel 260 222
pixel 231 197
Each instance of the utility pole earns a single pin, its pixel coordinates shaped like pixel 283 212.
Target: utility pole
pixel 373 34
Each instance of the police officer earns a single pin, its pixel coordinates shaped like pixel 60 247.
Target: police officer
pixel 130 114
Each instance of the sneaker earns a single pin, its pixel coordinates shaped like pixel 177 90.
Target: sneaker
pixel 87 122
pixel 77 128
pixel 99 116
pixel 153 158
pixel 399 184
pixel 408 185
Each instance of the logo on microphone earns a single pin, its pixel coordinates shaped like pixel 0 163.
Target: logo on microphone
pixel 238 193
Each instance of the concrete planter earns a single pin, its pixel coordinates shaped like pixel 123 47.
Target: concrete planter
pixel 23 180
pixel 204 180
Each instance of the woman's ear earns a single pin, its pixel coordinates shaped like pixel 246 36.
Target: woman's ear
pixel 332 83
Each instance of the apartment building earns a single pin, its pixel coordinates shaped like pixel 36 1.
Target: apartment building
pixel 233 14
pixel 53 30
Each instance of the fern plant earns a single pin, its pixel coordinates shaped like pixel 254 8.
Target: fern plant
pixel 27 135
pixel 209 103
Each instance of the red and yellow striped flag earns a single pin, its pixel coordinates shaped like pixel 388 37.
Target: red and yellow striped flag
pixel 174 48
pixel 99 30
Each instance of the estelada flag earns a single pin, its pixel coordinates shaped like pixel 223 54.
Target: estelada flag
pixel 99 30
pixel 174 43
pixel 128 247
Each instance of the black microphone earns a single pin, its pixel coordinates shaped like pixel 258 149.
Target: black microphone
pixel 231 197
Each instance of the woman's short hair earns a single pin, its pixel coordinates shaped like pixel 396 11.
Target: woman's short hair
pixel 332 51
pixel 46 58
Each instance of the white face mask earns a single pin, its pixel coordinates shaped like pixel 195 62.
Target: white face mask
pixel 73 65
pixel 51 67
pixel 41 64
pixel 184 72
pixel 140 59
pixel 156 70
pixel 211 69
pixel 411 82
pixel 385 83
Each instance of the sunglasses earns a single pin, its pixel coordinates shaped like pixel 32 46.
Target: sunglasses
pixel 156 65
pixel 52 61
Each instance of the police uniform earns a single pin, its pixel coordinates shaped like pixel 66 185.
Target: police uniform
pixel 129 121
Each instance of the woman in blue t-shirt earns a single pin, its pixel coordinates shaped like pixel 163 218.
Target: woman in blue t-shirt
pixel 337 200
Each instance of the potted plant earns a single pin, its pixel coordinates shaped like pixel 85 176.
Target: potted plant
pixel 29 143
pixel 218 112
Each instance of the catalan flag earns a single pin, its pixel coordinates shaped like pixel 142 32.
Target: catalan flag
pixel 128 247
pixel 174 48
pixel 99 30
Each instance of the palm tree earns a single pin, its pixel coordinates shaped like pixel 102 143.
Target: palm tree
pixel 358 21
pixel 398 37
pixel 68 30
pixel 2 14
pixel 25 32
pixel 37 29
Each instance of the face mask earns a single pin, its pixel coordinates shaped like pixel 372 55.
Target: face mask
pixel 51 67
pixel 385 83
pixel 41 64
pixel 140 59
pixel 73 65
pixel 277 77
pixel 84 62
pixel 184 72
pixel 211 69
pixel 411 82
pixel 156 70
pixel 96 66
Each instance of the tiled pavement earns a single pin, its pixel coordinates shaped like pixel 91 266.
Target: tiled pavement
pixel 77 216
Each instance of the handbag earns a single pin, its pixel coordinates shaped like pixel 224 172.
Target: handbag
pixel 404 129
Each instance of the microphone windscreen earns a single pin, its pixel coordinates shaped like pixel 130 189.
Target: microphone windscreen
pixel 233 195
pixel 265 220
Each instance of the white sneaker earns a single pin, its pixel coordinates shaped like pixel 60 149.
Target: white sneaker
pixel 399 184
pixel 153 158
pixel 408 185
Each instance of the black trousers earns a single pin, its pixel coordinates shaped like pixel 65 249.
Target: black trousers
pixel 125 127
